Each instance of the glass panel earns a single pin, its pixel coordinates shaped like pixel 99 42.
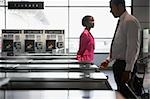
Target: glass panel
pixel 101 45
pixel 56 2
pixel 89 2
pixel 2 2
pixel 73 45
pixel 105 23
pixel 2 23
pixel 128 2
pixel 103 31
pixel 72 2
pixel 49 18
pixel 2 19
pixel 93 2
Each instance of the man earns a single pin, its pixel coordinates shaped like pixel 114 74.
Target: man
pixel 125 45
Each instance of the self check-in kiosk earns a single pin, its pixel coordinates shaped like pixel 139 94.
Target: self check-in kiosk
pixel 15 42
pixel 54 41
pixel 33 41
pixel 18 42
pixel 29 41
pixel 11 42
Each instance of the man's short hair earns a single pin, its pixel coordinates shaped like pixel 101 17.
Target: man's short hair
pixel 117 2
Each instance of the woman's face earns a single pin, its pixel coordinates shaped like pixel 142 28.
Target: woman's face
pixel 90 22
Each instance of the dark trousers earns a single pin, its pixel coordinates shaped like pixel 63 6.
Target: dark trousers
pixel 118 69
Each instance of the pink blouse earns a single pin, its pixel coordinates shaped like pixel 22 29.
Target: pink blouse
pixel 86 47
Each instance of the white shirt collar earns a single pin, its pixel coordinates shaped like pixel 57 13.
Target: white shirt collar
pixel 123 15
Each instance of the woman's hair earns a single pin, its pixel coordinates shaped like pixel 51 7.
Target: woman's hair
pixel 85 20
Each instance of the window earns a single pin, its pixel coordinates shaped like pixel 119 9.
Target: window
pixel 105 23
pixel 66 15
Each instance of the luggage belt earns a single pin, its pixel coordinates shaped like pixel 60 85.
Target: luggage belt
pixel 40 62
pixel 56 84
pixel 47 69
pixel 36 57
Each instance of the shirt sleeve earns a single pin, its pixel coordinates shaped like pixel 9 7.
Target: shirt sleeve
pixel 83 43
pixel 133 44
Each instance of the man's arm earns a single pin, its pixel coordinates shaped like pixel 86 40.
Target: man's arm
pixel 133 48
pixel 133 45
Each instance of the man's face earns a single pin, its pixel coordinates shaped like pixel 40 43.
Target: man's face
pixel 114 9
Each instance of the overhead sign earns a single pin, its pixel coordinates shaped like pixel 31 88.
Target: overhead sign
pixel 25 5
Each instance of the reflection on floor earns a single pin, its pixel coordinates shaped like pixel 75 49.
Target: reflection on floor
pixel 146 83
pixel 111 80
pixel 61 94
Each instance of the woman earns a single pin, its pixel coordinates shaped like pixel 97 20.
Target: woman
pixel 87 44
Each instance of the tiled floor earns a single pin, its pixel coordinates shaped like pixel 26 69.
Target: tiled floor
pixel 146 83
pixel 111 80
pixel 147 79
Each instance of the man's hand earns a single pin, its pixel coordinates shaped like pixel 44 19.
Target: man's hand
pixel 104 64
pixel 126 76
